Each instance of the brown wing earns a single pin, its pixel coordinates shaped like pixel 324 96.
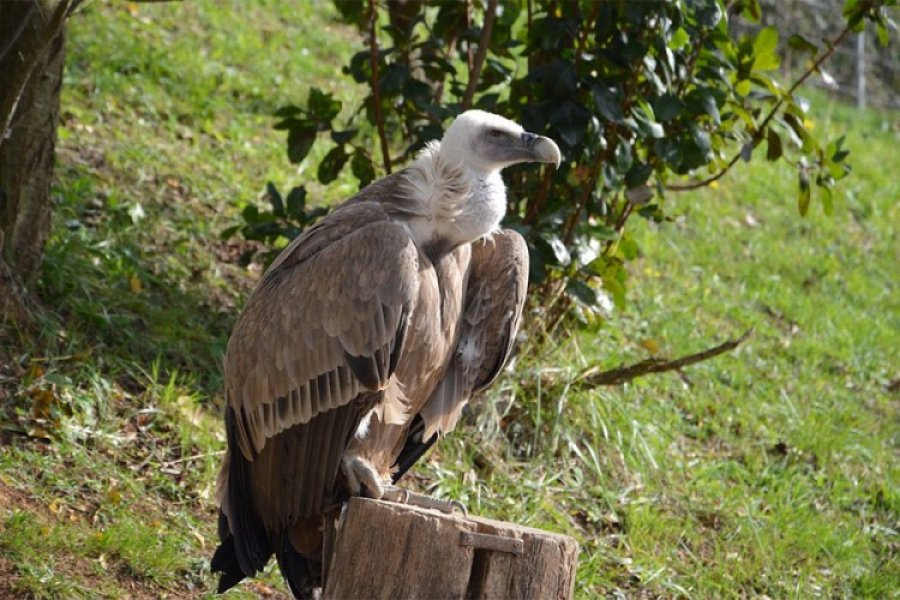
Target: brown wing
pixel 495 295
pixel 323 325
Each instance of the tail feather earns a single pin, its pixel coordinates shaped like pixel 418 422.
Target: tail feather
pixel 245 548
pixel 225 561
pixel 302 573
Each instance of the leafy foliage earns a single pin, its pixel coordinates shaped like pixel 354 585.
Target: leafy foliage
pixel 644 99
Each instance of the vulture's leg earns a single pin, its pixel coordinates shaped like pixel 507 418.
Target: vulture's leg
pixel 362 476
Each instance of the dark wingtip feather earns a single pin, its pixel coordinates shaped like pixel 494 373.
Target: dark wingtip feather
pixel 224 561
pixel 413 448
pixel 302 573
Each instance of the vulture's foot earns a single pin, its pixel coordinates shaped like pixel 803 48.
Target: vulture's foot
pixel 402 496
pixel 362 477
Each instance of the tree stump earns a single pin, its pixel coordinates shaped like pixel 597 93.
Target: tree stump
pixel 385 550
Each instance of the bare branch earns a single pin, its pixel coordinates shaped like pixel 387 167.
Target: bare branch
pixel 483 42
pixel 593 378
pixel 376 97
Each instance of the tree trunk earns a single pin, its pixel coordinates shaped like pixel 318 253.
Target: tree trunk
pixel 32 49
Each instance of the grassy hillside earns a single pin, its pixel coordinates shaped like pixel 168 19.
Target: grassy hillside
pixel 770 471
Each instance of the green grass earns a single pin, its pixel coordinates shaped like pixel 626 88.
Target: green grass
pixel 771 470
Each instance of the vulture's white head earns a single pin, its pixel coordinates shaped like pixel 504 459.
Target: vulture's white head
pixel 485 142
pixel 456 185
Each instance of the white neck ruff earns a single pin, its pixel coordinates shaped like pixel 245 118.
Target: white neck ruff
pixel 454 204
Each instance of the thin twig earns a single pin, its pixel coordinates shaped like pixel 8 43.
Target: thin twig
pixel 170 463
pixel 376 97
pixel 483 42
pixel 626 212
pixel 593 378
pixel 760 131
pixel 469 58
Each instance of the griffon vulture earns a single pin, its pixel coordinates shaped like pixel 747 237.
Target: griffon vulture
pixel 363 341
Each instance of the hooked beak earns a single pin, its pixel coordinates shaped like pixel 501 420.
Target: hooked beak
pixel 541 149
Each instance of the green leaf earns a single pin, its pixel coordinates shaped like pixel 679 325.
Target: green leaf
pixel 766 41
pixel 639 195
pixel 798 42
pixel 275 200
pixel 288 111
pixel 709 14
pixel 678 39
pixel 342 137
pixel 752 11
pixel 331 165
pixel 881 30
pixel 229 232
pixel 582 292
pixel 296 202
pixel 667 107
pixel 362 168
pixel 827 200
pixel 352 11
pixel 850 8
pixel 796 125
pixel 570 120
pixel 804 194
pixel 774 149
pixel 322 105
pixel 250 214
pixel 299 142
pixel 647 125
pixel 628 247
pixel 638 175
pixel 559 251
pixel 607 103
pixel 392 79
pixel 614 284
pixel 765 50
pixel 623 156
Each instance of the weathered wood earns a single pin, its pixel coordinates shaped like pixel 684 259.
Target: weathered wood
pixel 387 550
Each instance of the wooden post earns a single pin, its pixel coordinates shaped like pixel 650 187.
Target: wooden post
pixel 387 550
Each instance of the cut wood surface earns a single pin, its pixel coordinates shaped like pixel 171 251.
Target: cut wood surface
pixel 387 550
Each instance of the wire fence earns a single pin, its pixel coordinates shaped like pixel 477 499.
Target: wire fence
pixel 861 69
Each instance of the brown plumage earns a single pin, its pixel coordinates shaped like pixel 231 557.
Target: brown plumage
pixel 364 340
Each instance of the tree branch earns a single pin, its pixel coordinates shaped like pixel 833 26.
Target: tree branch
pixel 594 378
pixel 759 134
pixel 376 97
pixel 483 42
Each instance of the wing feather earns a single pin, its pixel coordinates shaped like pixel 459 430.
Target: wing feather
pixel 323 324
pixel 495 295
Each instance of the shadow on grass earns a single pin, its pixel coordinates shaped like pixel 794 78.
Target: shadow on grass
pixel 123 290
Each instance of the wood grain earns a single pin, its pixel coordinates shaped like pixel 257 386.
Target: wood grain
pixel 386 550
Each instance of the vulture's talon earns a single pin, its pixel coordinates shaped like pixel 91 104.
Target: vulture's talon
pixel 402 496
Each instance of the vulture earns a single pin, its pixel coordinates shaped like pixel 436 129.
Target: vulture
pixel 364 340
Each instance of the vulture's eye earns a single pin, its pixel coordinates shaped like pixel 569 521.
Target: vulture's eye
pixel 495 133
